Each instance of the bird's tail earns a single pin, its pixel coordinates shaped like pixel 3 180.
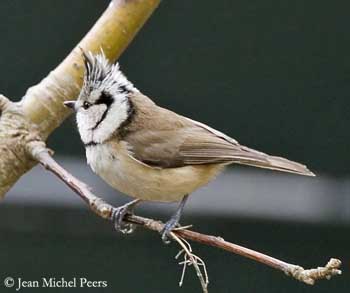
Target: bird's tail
pixel 258 159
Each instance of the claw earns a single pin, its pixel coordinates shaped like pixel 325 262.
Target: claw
pixel 118 217
pixel 168 228
pixel 119 224
pixel 173 222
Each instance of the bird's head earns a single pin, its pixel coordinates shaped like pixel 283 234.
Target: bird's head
pixel 103 103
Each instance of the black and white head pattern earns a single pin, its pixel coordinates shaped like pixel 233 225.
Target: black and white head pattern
pixel 103 104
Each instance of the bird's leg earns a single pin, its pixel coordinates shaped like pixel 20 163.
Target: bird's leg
pixel 119 214
pixel 174 221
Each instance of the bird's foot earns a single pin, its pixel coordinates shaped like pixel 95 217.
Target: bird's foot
pixel 173 222
pixel 168 228
pixel 118 215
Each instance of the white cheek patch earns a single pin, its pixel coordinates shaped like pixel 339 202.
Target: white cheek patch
pixel 97 124
pixel 87 119
pixel 116 115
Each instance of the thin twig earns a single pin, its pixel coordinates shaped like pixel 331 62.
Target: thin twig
pixel 40 153
pixel 193 260
pixel 198 260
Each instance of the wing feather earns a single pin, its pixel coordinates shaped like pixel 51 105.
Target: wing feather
pixel 172 141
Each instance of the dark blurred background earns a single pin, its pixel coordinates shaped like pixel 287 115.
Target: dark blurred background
pixel 274 75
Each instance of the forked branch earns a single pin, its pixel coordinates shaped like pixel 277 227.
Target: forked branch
pixel 100 207
pixel 41 110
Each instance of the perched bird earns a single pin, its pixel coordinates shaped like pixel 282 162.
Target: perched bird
pixel 148 152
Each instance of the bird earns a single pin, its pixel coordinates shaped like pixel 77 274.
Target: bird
pixel 148 152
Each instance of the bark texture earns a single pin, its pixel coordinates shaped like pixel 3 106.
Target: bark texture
pixel 41 110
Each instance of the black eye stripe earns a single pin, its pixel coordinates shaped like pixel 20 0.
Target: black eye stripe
pixel 123 89
pixel 105 98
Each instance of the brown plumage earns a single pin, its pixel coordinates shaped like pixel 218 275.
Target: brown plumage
pixel 148 152
pixel 161 138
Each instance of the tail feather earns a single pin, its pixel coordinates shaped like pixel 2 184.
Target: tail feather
pixel 236 153
pixel 261 160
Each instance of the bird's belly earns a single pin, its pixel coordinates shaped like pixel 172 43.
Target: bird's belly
pixel 133 178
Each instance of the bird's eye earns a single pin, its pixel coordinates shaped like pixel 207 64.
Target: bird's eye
pixel 86 105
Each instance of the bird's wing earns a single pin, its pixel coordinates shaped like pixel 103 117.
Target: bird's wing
pixel 172 140
pixel 178 147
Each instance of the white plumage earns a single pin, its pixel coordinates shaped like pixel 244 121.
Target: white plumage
pixel 149 152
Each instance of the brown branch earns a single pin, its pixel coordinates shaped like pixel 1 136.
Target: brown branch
pixel 41 110
pixel 105 210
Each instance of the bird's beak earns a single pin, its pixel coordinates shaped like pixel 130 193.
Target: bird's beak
pixel 69 104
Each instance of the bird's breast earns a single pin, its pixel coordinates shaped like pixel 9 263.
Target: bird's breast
pixel 113 163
